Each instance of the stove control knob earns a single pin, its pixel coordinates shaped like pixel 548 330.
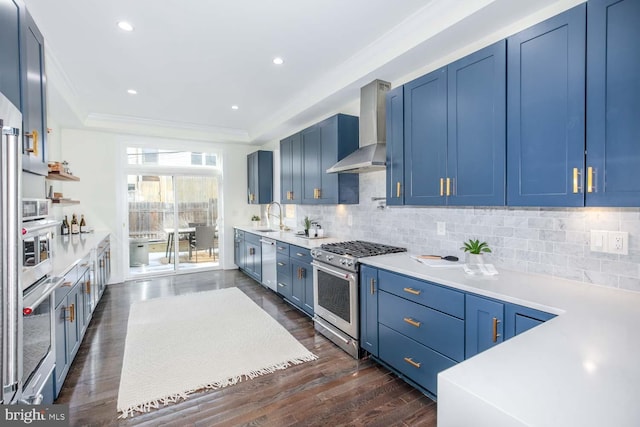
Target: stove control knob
pixel 350 263
pixel 343 261
pixel 329 257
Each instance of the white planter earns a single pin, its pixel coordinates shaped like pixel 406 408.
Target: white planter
pixel 256 224
pixel 475 259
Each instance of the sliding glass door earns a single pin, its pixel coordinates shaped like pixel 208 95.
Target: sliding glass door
pixel 173 210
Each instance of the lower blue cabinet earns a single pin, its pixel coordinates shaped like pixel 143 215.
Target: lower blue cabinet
pixel 519 319
pixel 484 324
pixel 295 276
pixel 369 309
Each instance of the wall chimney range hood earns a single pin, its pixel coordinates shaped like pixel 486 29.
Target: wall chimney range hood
pixel 372 154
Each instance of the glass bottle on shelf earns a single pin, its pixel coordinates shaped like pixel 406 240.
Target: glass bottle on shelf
pixel 83 224
pixel 75 228
pixel 64 228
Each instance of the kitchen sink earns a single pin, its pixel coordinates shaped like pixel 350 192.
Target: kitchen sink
pixel 265 230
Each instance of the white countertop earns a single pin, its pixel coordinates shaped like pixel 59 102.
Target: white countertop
pixel 290 237
pixel 69 250
pixel 579 369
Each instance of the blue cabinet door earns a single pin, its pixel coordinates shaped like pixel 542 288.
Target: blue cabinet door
pixel 260 177
pixel 613 103
pixel 291 169
pixel 484 324
pixel 476 149
pixel 62 357
pixel 306 274
pixel 546 104
pixel 369 309
pixel 395 146
pixel 425 139
pixel 311 165
pixel 519 319
pixel 298 271
pixel 34 113
pixel 10 80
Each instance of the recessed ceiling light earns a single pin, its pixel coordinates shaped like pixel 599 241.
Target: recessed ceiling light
pixel 278 61
pixel 234 107
pixel 132 92
pixel 125 26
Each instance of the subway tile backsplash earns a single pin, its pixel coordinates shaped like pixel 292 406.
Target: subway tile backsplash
pixel 549 241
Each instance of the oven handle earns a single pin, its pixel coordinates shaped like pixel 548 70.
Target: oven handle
pixel 343 339
pixel 31 228
pixel 35 298
pixel 333 272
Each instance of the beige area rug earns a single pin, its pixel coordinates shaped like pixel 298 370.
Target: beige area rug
pixel 178 345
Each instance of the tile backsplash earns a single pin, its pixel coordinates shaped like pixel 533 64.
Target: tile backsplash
pixel 550 241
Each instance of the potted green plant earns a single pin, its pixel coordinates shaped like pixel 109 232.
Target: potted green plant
pixel 307 225
pixel 255 220
pixel 475 249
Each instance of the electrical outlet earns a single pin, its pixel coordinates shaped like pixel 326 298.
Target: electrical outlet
pixel 618 242
pixel 349 220
pixel 441 228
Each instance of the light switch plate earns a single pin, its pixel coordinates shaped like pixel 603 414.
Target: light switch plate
pixel 599 240
pixel 441 228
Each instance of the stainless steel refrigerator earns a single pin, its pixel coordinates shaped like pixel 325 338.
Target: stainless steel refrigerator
pixel 10 241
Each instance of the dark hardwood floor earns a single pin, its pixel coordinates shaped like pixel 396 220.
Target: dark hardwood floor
pixel 334 390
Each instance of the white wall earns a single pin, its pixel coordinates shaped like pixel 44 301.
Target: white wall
pixel 95 158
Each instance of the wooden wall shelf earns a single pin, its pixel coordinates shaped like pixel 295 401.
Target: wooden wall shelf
pixel 65 202
pixel 61 176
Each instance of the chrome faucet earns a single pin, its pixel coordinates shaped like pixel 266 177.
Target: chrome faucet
pixel 277 216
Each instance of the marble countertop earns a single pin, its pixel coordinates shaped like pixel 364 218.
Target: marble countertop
pixel 290 237
pixel 579 369
pixel 69 250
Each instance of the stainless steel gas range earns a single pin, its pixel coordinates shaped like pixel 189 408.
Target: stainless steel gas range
pixel 336 269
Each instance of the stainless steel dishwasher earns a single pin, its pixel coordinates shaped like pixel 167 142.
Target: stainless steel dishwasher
pixel 269 263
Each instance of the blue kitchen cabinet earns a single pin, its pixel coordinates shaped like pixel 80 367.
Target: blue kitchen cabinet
pixel 260 177
pixel 11 14
pixel 394 108
pixel 68 320
pixel 253 256
pixel 291 169
pixel 546 104
pixel 323 145
pixel 425 139
pixel 476 148
pixel 301 278
pixel 283 276
pixel 369 309
pixel 34 113
pixel 613 103
pixel 519 319
pixel 484 324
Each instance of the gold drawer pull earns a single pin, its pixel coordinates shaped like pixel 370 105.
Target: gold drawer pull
pixel 88 287
pixel 281 264
pixel 590 172
pixel 72 313
pixel 67 284
pixel 448 186
pixel 412 322
pixel 412 363
pixel 442 186
pixel 398 189
pixel 282 285
pixel 300 254
pixel 412 291
pixel 34 148
pixel 576 180
pixel 495 329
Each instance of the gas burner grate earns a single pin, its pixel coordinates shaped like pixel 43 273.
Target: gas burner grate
pixel 359 248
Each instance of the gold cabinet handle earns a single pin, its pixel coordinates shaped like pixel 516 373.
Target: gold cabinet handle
pixel 590 173
pixel 88 287
pixel 442 186
pixel 576 180
pixel 412 291
pixel 372 286
pixel 291 195
pixel 299 254
pixel 317 193
pixel 67 284
pixel 72 313
pixel 34 137
pixel 495 329
pixel 412 322
pixel 448 186
pixel 411 362
pixel 281 264
pixel 398 189
pixel 282 285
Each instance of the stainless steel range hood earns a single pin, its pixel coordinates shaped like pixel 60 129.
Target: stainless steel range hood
pixel 372 154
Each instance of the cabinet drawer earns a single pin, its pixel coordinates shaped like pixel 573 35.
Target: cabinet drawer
pixel 70 279
pixel 417 362
pixel 432 328
pixel 284 285
pixel 282 248
pixel 302 254
pixel 252 238
pixel 283 265
pixel 425 293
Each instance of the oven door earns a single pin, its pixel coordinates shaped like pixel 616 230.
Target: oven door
pixel 37 246
pixel 335 296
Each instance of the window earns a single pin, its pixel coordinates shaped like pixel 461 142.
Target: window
pixel 152 156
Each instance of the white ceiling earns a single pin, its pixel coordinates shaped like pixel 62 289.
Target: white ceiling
pixel 190 61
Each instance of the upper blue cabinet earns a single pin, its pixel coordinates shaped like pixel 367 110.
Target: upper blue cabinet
pixel 395 146
pixel 305 157
pixel 546 112
pixel 451 148
pixel 613 103
pixel 260 177
pixel 34 112
pixel 10 80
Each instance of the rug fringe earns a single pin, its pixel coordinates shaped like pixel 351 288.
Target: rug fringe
pixel 176 397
